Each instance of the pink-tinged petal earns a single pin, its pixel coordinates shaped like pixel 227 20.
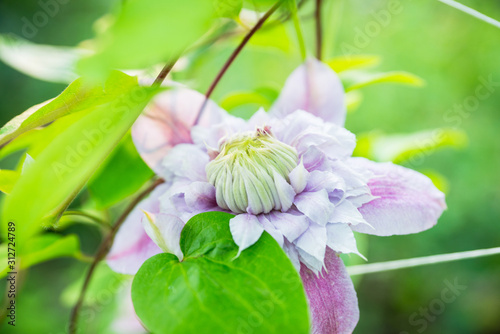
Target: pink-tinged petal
pixel 407 201
pixel 132 246
pixel 299 177
pixel 312 246
pixel 313 87
pixel 341 239
pixel 291 224
pixel 167 122
pixel 332 298
pixel 315 205
pixel 126 320
pixel 314 159
pixel 292 253
pixel 165 231
pixel 246 230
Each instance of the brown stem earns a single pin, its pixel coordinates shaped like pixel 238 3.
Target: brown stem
pixel 319 32
pixel 233 56
pixel 164 72
pixel 103 250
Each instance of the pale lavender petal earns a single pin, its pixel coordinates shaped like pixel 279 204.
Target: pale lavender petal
pixel 246 230
pixel 132 246
pixel 325 180
pixel 408 202
pixel 347 213
pixel 292 253
pixel 314 159
pixel 165 231
pixel 168 120
pixel 299 177
pixel 313 87
pixel 271 229
pixel 285 191
pixel 312 245
pixel 185 161
pixel 200 196
pixel 315 205
pixel 291 224
pixel 341 239
pixel 332 298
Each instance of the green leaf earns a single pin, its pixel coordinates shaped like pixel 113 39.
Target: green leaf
pixel 65 165
pixel 44 62
pixel 40 249
pixel 7 180
pixel 121 175
pixel 228 8
pixel 351 62
pixel 77 97
pixel 356 79
pixel 149 32
pixel 403 147
pixel 211 292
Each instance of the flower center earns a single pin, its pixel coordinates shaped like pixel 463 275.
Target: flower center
pixel 249 172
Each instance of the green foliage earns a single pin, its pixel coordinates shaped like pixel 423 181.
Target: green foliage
pixel 403 147
pixel 60 171
pixel 121 175
pixel 357 79
pixel 40 249
pixel 212 292
pixel 352 62
pixel 228 8
pixel 77 97
pixel 45 62
pixel 7 180
pixel 148 32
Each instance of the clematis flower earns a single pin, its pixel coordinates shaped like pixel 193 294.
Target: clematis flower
pixel 289 172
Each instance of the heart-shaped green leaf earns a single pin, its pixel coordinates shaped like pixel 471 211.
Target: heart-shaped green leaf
pixel 212 292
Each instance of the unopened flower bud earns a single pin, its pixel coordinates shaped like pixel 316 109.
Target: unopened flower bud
pixel 249 172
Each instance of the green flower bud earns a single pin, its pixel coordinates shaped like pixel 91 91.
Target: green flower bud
pixel 249 172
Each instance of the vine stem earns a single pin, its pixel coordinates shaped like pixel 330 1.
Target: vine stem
pixel 319 31
pixel 233 56
pixel 103 250
pixel 164 72
pixel 419 261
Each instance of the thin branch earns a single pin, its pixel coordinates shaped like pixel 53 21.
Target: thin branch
pixel 164 72
pixel 419 261
pixel 319 31
pixel 234 55
pixel 103 250
pixel 471 12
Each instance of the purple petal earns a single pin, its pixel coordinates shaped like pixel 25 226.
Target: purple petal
pixel 408 202
pixel 315 205
pixel 246 230
pixel 168 120
pixel 332 298
pixel 132 246
pixel 313 87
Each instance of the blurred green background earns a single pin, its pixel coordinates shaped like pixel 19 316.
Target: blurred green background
pixel 453 52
